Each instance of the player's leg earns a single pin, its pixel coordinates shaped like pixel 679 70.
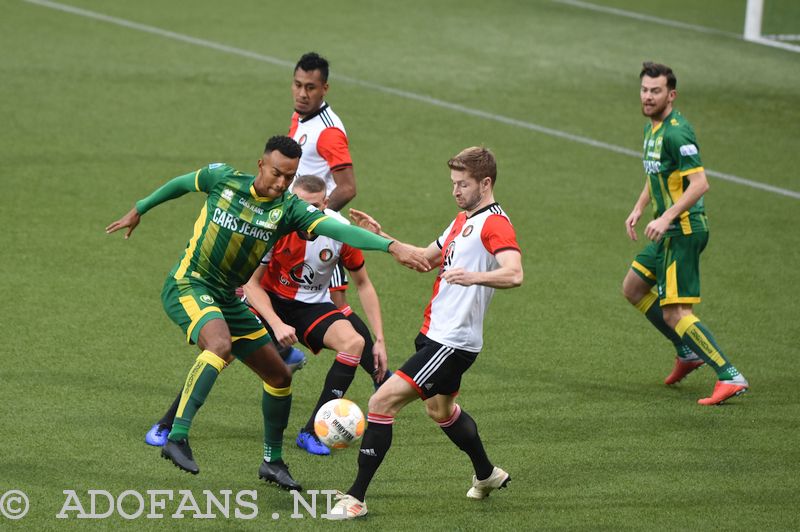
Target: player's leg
pixel 638 289
pixel 367 361
pixel 680 286
pixel 384 405
pixel 462 430
pixel 192 307
pixel 338 335
pixel 276 403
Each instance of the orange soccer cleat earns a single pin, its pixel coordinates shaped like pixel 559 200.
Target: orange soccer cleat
pixel 682 369
pixel 724 390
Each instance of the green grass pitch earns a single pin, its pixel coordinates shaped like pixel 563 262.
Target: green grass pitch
pixel 567 392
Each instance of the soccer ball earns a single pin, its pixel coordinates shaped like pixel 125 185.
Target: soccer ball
pixel 339 423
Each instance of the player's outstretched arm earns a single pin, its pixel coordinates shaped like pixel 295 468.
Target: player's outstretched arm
pixel 172 189
pixel 372 308
pixel 257 298
pixel 508 275
pixel 357 237
pixel 432 253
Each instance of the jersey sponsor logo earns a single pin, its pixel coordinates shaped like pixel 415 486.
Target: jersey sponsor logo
pixel 247 205
pixel 654 154
pixel 325 255
pixel 311 208
pixel 227 194
pixel 659 142
pixel 467 231
pixel 263 223
pixel 212 166
pixel 275 215
pixel 302 140
pixel 207 299
pixel 302 274
pixel 688 149
pixel 652 167
pixel 232 223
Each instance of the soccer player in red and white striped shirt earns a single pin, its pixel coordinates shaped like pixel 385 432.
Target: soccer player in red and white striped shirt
pixel 476 254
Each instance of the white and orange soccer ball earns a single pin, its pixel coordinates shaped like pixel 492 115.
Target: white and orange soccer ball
pixel 339 423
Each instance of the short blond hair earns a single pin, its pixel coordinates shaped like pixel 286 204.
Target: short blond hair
pixel 310 183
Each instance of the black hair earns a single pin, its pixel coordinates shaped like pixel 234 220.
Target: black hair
pixel 286 145
pixel 313 61
pixel 654 70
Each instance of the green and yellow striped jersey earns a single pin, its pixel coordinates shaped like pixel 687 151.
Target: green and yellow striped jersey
pixel 670 153
pixel 236 227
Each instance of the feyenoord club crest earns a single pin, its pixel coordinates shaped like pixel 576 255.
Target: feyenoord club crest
pixel 467 231
pixel 325 255
pixel 302 140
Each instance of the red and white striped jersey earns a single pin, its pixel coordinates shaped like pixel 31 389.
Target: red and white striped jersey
pixel 454 316
pixel 301 269
pixel 324 142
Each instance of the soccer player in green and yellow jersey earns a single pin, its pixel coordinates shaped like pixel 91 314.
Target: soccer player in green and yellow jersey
pixel 675 184
pixel 242 218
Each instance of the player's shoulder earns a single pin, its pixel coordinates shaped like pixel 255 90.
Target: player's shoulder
pixel 336 216
pixel 678 125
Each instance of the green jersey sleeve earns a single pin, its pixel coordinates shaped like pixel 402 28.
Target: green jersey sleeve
pixel 681 144
pixel 174 188
pixel 351 235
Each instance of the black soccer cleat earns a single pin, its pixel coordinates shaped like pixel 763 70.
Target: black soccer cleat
pixel 180 454
pixel 278 473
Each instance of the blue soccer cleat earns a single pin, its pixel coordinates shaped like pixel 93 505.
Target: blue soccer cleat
pixel 294 358
pixel 157 435
pixel 312 445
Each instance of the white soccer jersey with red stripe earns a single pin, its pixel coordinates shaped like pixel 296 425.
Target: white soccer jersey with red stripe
pixel 301 269
pixel 324 141
pixel 454 316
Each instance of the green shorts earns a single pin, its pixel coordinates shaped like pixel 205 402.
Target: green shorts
pixel 191 304
pixel 674 266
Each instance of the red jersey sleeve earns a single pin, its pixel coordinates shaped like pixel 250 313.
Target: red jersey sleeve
pixel 498 234
pixel 352 258
pixel 332 146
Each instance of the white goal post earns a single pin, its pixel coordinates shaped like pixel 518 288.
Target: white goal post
pixel 752 29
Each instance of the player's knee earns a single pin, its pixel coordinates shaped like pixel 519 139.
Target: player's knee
pixel 381 403
pixel 354 344
pixel 280 377
pixel 220 346
pixel 436 412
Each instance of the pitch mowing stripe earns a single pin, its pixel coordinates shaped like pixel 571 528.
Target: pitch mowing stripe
pixel 399 92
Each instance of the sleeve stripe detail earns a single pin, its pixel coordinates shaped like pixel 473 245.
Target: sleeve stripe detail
pixel 690 171
pixel 315 224
pixel 326 119
pixel 506 248
pixel 341 166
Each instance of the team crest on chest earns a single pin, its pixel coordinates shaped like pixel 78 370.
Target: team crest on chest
pixel 275 215
pixel 302 140
pixel 467 231
pixel 325 255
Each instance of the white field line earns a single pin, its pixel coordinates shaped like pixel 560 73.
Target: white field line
pixel 763 40
pixel 393 91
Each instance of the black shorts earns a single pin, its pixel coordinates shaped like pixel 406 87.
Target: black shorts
pixel 310 320
pixel 435 369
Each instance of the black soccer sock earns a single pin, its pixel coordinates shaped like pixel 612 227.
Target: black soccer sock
pixel 463 431
pixel 367 359
pixel 336 384
pixel 374 446
pixel 169 415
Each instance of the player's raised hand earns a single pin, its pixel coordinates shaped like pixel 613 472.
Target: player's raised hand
pixel 130 220
pixel 365 221
pixel 409 256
